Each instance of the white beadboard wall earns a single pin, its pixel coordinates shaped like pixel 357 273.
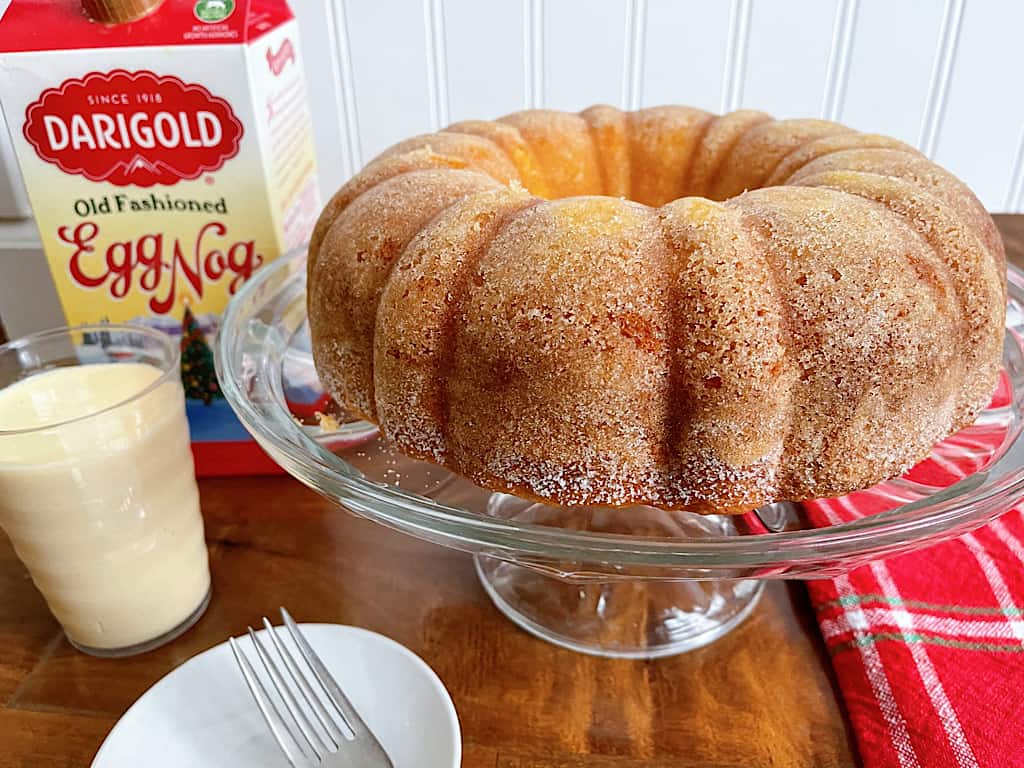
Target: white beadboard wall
pixel 937 73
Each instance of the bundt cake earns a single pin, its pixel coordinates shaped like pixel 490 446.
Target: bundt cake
pixel 662 307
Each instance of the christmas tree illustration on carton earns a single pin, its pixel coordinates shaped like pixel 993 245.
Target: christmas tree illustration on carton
pixel 198 374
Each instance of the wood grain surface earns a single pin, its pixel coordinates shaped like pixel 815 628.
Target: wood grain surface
pixel 761 696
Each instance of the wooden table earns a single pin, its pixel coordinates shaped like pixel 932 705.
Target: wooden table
pixel 761 696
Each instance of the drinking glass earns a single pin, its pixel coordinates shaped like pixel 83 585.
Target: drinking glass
pixel 97 485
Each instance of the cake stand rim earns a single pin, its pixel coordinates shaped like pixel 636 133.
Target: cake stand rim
pixel 910 526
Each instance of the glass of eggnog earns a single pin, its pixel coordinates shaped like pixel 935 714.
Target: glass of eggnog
pixel 97 487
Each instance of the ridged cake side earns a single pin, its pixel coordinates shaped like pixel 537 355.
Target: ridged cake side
pixel 555 305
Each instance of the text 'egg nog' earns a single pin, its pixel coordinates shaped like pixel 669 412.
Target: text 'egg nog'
pixel 168 154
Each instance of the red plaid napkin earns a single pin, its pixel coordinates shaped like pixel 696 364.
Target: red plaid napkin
pixel 929 647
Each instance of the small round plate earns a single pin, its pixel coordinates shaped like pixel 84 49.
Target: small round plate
pixel 202 715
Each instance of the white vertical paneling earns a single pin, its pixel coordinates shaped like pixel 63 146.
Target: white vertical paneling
pixel 437 63
pixel 534 72
pixel 839 59
pixel 984 113
pixel 788 56
pixel 485 73
pixel 324 57
pixel 584 52
pixel 734 70
pixel 389 66
pixel 685 56
pixel 1014 199
pixel 890 67
pixel 635 53
pixel 945 57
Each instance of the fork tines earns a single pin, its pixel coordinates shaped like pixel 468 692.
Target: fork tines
pixel 318 722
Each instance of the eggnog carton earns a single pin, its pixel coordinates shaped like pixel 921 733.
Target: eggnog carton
pixel 166 159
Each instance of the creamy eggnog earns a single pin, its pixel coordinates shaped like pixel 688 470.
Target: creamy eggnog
pixel 98 496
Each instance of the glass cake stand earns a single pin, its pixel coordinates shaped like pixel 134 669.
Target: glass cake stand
pixel 637 582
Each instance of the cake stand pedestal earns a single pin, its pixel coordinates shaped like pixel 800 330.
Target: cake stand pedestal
pixel 625 619
pixel 608 615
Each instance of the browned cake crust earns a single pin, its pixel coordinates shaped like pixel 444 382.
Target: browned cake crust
pixel 661 307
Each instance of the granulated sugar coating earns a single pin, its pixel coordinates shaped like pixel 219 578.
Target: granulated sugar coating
pixel 662 307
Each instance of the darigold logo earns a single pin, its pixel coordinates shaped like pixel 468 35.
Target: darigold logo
pixel 132 128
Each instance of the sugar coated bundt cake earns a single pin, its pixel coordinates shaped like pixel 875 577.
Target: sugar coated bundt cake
pixel 660 307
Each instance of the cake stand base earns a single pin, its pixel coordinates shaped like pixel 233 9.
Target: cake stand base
pixel 619 619
pixel 614 615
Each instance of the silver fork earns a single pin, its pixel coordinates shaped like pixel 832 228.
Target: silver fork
pixel 307 745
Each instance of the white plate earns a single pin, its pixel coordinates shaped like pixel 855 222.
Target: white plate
pixel 201 715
